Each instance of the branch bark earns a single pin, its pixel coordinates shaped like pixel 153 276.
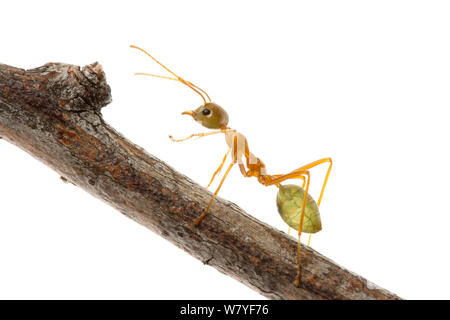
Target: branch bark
pixel 53 113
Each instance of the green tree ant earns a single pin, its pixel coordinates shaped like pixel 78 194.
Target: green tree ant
pixel 296 207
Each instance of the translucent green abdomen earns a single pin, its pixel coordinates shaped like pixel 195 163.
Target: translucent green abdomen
pixel 289 202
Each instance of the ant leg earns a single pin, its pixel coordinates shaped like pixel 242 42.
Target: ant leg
pixel 219 168
pixel 299 173
pixel 314 164
pixel 309 239
pixel 203 215
pixel 282 175
pixel 311 165
pixel 200 135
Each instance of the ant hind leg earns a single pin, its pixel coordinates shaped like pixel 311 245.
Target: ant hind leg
pixel 296 174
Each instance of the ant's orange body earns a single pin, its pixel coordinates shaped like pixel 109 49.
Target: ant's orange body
pixel 295 205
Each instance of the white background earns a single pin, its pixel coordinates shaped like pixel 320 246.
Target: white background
pixel 364 82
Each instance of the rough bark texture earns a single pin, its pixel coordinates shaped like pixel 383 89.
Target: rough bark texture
pixel 53 113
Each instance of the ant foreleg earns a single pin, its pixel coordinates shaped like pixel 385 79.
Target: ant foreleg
pixel 200 135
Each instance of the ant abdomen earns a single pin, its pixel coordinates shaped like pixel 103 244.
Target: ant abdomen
pixel 289 202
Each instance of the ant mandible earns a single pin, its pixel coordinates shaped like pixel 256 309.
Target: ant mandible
pixel 296 207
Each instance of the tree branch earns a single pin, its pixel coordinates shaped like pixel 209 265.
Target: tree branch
pixel 53 113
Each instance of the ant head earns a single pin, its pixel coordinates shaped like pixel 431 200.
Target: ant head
pixel 210 115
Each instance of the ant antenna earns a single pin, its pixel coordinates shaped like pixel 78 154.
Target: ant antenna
pixel 188 83
pixel 177 78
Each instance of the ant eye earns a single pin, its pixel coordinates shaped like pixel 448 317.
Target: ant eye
pixel 206 112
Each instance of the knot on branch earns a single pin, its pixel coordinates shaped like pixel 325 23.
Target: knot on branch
pixel 78 90
pixel 99 90
pixel 66 86
pixel 56 85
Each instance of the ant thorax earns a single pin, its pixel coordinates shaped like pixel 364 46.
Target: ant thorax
pixel 232 137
